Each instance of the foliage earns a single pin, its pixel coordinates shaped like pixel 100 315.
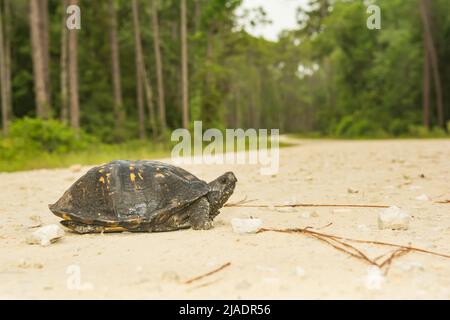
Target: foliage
pixel 329 76
pixel 354 126
pixel 30 137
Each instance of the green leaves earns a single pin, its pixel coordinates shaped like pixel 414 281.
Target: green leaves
pixel 47 136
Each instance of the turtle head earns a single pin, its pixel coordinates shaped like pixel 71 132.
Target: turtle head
pixel 220 190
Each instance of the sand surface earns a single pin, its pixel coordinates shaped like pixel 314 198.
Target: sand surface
pixel 266 265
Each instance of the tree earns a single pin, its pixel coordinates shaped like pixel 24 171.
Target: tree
pixel 63 67
pixel 432 54
pixel 73 77
pixel 38 56
pixel 45 43
pixel 3 94
pixel 149 98
pixel 7 40
pixel 426 85
pixel 184 65
pixel 158 62
pixel 138 64
pixel 115 72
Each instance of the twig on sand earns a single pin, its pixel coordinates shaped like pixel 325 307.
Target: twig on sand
pixel 339 243
pixel 239 203
pixel 325 226
pixel 242 203
pixel 207 274
pixel 397 253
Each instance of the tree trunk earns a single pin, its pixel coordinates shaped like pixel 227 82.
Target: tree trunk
pixel 426 86
pixel 138 64
pixel 425 14
pixel 184 66
pixel 149 96
pixel 44 26
pixel 63 67
pixel 198 15
pixel 41 97
pixel 144 79
pixel 115 70
pixel 3 94
pixel 73 77
pixel 159 73
pixel 209 55
pixel 7 39
pixel 238 121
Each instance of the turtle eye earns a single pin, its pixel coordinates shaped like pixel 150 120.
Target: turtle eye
pixel 223 180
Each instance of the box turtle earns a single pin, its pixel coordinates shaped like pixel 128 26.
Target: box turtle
pixel 141 196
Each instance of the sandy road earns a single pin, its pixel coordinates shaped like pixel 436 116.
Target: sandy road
pixel 266 265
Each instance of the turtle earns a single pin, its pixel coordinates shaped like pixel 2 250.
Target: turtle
pixel 141 196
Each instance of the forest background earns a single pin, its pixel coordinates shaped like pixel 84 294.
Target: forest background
pixel 137 70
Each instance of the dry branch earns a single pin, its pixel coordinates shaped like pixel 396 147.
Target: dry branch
pixel 207 274
pixel 339 243
pixel 397 253
pixel 238 203
pixel 242 204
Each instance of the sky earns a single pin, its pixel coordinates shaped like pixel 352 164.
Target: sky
pixel 280 12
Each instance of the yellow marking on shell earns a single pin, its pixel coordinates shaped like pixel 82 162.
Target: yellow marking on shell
pixel 107 181
pixel 102 179
pixel 65 216
pixel 115 229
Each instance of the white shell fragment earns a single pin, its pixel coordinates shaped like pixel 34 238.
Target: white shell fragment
pixel 393 218
pixel 246 225
pixel 374 278
pixel 46 235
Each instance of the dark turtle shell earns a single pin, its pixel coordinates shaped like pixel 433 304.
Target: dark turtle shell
pixel 128 193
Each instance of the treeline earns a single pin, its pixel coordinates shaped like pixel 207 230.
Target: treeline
pixel 138 68
pixel 362 82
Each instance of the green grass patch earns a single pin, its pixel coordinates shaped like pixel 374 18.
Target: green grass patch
pixel 100 153
pixel 37 144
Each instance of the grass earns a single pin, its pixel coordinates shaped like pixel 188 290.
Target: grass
pixel 93 155
pixel 96 154
pixel 103 153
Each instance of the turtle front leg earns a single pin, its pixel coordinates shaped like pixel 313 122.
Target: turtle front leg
pixel 199 215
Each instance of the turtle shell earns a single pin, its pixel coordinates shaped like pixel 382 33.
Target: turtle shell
pixel 128 193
